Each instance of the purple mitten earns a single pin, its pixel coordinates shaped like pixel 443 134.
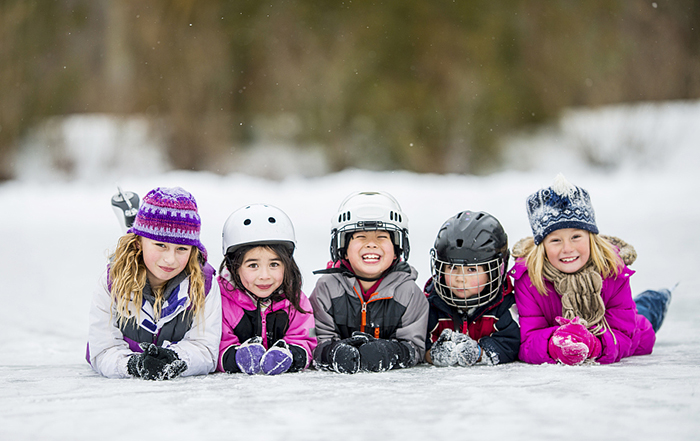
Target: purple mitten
pixel 248 355
pixel 277 359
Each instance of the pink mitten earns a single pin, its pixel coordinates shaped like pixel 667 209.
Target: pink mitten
pixel 572 343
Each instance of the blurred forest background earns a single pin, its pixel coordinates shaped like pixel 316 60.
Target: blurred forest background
pixel 426 86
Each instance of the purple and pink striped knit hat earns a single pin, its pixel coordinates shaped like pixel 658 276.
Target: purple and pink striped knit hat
pixel 169 215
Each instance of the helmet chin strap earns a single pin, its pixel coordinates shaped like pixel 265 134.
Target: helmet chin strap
pixel 370 279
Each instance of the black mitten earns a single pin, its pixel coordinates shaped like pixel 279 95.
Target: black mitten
pixel 228 360
pixel 132 365
pixel 378 355
pixel 358 339
pixel 343 358
pixel 299 358
pixel 156 363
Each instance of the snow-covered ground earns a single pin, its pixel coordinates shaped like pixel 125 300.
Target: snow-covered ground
pixel 57 235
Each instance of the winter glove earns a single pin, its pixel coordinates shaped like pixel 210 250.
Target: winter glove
pixel 277 359
pixel 300 358
pixel 454 348
pixel 358 338
pixel 248 355
pixel 343 358
pixel 378 355
pixel 467 350
pixel 442 353
pixel 572 343
pixel 382 355
pixel 155 363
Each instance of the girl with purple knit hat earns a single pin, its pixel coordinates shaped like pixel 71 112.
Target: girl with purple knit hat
pixel 156 313
pixel 572 286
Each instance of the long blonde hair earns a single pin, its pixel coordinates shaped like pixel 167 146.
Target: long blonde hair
pixel 604 256
pixel 128 274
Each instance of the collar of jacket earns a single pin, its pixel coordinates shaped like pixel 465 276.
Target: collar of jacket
pixel 398 266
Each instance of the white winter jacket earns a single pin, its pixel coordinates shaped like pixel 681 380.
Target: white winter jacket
pixel 109 350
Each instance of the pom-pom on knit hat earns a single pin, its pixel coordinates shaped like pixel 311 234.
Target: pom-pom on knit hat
pixel 169 215
pixel 563 205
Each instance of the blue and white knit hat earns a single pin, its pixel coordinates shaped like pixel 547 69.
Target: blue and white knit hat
pixel 169 215
pixel 563 205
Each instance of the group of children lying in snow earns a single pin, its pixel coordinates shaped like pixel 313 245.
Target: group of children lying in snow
pixel 160 310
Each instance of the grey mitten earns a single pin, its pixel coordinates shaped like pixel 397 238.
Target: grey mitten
pixel 467 351
pixel 454 348
pixel 442 352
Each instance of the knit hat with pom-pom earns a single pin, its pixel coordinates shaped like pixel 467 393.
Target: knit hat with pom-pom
pixel 563 205
pixel 169 215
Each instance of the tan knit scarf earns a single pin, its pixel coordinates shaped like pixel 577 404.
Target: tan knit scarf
pixel 580 291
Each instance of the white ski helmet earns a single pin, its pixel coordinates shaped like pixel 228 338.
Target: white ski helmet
pixel 257 224
pixel 369 210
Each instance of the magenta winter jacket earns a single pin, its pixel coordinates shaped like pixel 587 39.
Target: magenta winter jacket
pixel 241 320
pixel 632 331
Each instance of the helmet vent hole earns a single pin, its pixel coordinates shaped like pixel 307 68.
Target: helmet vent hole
pixel 271 220
pixel 460 242
pixel 246 222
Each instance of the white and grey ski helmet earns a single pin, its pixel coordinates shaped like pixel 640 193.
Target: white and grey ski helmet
pixel 365 211
pixel 257 224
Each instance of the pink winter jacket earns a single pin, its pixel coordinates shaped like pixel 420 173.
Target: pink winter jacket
pixel 633 332
pixel 242 320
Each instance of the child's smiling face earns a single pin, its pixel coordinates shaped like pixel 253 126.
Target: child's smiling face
pixel 261 272
pixel 568 249
pixel 370 253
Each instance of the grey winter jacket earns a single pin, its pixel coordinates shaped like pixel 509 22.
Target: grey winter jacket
pixel 397 310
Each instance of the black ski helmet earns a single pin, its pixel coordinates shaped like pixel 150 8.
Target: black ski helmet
pixel 470 239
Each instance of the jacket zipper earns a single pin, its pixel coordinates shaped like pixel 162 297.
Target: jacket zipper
pixel 363 322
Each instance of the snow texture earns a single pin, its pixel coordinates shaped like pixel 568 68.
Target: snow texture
pixel 57 236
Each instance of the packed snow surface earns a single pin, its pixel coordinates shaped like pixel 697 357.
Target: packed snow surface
pixel 58 234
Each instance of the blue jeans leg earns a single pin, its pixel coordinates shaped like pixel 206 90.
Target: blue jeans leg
pixel 653 305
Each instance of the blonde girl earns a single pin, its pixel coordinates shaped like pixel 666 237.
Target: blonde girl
pixel 157 313
pixel 572 286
